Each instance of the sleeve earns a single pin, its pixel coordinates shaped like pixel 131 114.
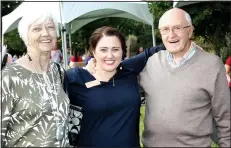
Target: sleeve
pixel 138 62
pixel 221 108
pixel 228 61
pixel 7 100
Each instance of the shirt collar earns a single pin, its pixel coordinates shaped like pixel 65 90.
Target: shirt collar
pixel 187 56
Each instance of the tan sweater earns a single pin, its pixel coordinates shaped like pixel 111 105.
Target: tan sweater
pixel 182 101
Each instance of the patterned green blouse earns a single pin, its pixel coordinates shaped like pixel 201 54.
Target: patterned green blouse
pixel 29 108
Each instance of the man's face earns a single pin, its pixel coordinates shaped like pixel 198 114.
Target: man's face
pixel 177 39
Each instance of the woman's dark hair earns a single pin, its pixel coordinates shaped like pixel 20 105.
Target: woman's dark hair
pixel 4 61
pixel 107 31
pixel 75 54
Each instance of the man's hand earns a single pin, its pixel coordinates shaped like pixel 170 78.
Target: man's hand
pixel 91 66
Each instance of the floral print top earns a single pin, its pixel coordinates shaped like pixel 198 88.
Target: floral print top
pixel 29 107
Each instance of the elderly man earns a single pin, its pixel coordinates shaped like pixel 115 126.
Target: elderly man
pixel 185 89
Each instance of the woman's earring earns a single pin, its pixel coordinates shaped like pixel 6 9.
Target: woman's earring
pixel 121 68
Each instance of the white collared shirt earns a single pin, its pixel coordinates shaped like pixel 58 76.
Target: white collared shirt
pixel 186 57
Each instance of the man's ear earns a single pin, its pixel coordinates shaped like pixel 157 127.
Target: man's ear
pixel 191 32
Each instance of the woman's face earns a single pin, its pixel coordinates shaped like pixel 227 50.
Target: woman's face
pixel 141 49
pixel 42 35
pixel 108 53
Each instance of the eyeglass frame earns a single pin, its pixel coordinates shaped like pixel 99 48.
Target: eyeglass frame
pixel 172 29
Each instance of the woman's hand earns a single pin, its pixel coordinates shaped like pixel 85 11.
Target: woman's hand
pixel 91 66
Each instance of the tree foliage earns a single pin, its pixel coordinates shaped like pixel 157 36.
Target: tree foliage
pixel 80 39
pixel 212 21
pixel 14 44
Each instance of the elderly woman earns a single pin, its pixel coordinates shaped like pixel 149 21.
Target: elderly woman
pixel 34 105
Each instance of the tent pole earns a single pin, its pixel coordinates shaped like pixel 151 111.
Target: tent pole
pixel 153 35
pixel 63 31
pixel 70 42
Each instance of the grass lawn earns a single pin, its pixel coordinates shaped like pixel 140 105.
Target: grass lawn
pixel 142 126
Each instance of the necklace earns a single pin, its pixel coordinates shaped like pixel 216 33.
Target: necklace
pixel 60 130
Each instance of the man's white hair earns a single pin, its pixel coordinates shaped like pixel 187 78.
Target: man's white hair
pixel 30 18
pixel 187 17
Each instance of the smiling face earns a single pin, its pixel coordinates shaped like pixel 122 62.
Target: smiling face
pixel 42 35
pixel 176 42
pixel 108 53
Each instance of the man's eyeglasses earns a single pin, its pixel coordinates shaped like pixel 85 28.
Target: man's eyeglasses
pixel 176 30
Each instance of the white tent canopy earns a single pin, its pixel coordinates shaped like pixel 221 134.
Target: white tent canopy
pixel 74 15
pixel 95 10
pixel 178 3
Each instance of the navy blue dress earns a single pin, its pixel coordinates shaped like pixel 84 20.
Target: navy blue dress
pixel 110 113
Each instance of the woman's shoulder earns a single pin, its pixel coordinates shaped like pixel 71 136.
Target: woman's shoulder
pixel 73 70
pixel 13 69
pixel 77 74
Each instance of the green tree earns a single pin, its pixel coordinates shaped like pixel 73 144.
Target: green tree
pixel 212 21
pixel 14 43
pixel 80 39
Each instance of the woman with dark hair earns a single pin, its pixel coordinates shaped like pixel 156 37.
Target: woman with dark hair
pixel 109 97
pixel 74 59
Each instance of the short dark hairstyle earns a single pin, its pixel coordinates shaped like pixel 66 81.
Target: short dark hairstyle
pixel 107 31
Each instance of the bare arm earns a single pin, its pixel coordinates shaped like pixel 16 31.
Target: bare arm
pixel 72 64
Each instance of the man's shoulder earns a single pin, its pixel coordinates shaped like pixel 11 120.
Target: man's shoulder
pixel 74 70
pixel 210 58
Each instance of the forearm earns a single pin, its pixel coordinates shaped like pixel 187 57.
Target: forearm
pixel 72 64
